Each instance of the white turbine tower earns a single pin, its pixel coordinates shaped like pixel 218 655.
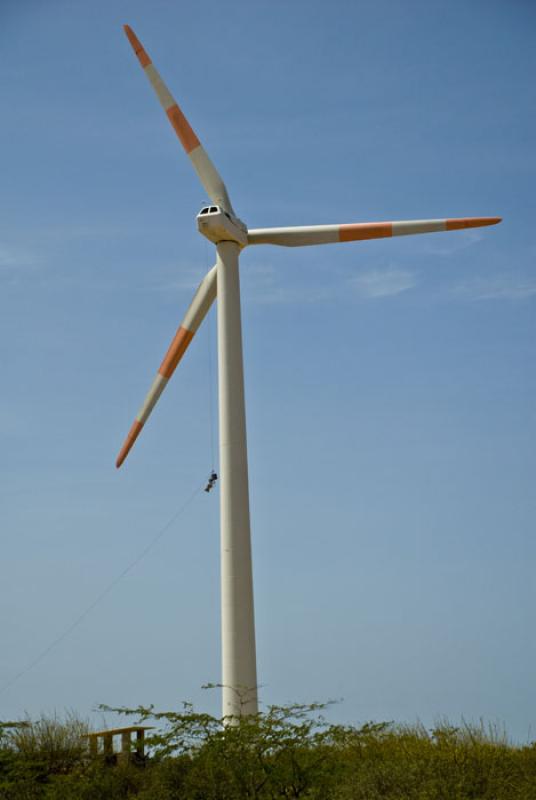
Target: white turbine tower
pixel 220 224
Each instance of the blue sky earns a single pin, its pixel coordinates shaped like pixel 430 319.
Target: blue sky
pixel 389 384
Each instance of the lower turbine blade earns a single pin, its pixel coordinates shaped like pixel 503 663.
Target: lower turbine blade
pixel 203 299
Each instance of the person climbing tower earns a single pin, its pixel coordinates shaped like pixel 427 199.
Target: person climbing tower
pixel 211 481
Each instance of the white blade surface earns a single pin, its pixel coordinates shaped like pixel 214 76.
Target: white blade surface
pixel 327 234
pixel 207 172
pixel 197 311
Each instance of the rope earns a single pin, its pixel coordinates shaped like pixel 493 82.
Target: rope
pixel 210 338
pixel 210 392
pixel 103 594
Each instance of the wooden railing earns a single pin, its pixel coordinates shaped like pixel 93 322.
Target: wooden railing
pixel 102 743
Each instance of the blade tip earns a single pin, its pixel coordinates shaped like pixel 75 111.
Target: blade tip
pixel 129 441
pixel 137 46
pixel 460 223
pixel 489 221
pixel 122 455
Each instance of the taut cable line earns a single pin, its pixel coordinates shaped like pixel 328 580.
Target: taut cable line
pixel 106 591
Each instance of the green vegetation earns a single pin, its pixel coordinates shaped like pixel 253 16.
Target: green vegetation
pixel 285 752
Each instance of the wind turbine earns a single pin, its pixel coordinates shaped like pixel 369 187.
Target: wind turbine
pixel 219 223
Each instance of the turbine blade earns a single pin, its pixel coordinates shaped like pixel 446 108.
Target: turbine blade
pixel 207 172
pixel 326 234
pixel 203 299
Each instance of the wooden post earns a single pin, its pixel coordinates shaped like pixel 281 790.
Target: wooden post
pixel 140 743
pixel 108 744
pixel 125 743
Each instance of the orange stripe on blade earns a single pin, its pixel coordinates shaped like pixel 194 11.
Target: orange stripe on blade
pixel 365 230
pixel 182 339
pixel 182 128
pixel 129 441
pixel 471 222
pixel 137 46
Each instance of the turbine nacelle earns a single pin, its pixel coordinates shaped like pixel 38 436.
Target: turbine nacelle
pixel 219 226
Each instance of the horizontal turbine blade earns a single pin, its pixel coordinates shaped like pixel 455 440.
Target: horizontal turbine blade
pixel 203 299
pixel 207 172
pixel 326 234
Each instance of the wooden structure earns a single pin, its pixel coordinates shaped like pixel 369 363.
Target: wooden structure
pixel 127 751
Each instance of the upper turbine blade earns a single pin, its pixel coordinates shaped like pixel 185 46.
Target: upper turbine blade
pixel 326 234
pixel 207 172
pixel 203 299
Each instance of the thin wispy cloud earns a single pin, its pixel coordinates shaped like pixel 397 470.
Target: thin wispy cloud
pixel 39 236
pixel 265 285
pixel 187 279
pixel 497 287
pixel 39 246
pixel 448 243
pixel 15 258
pixel 383 282
pixel 80 231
